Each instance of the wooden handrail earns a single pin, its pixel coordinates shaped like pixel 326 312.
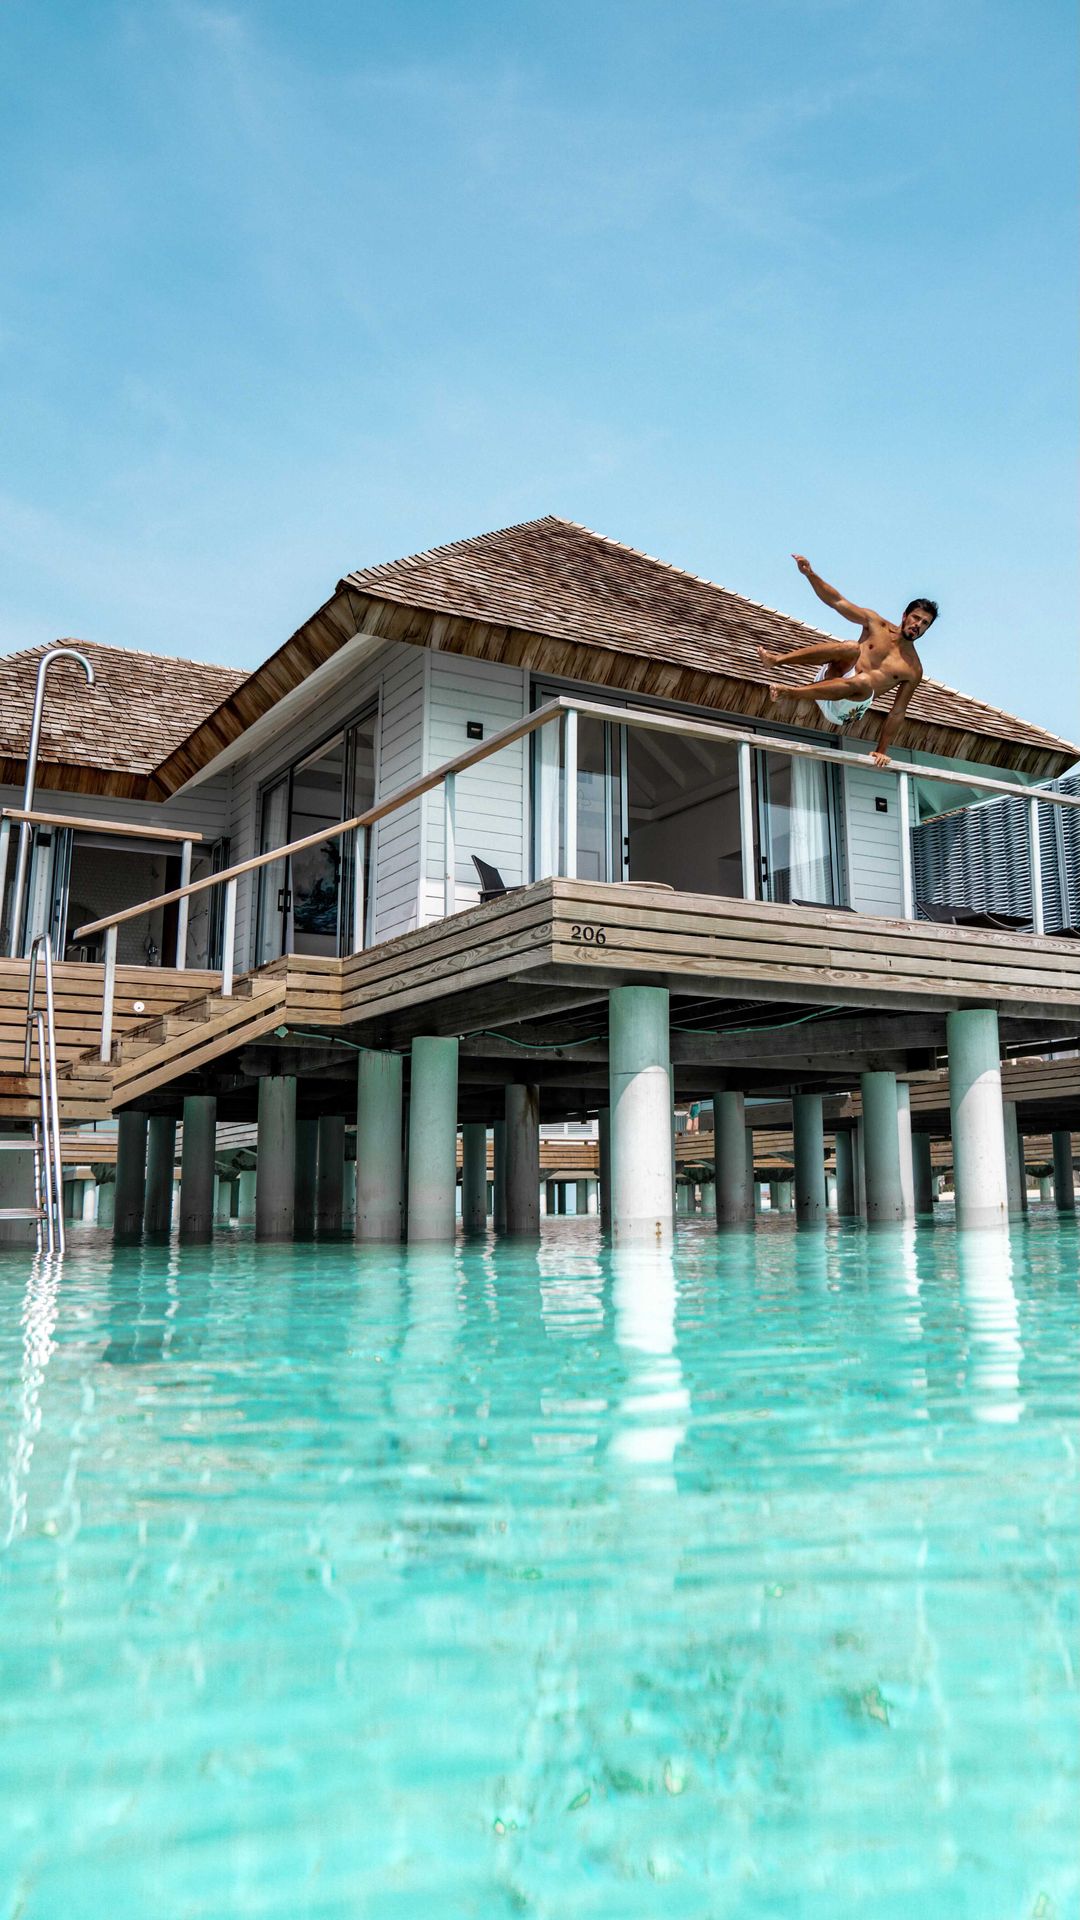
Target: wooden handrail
pixel 36 818
pixel 519 730
pixel 412 791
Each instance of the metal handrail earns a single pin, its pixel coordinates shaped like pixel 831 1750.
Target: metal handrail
pixel 22 860
pixel 48 1163
pixel 567 710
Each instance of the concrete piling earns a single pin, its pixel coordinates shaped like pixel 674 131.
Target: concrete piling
pixel 160 1160
pixel 330 1173
pixel 807 1111
pixel 734 1190
pixel 1064 1182
pixel 276 1172
pixel 922 1173
pixel 305 1178
pixel 978 1123
pixel 474 1177
pixel 131 1130
pixel 378 1147
pixel 522 1159
pixel 639 1071
pixel 881 1147
pixel 196 1211
pixel 432 1172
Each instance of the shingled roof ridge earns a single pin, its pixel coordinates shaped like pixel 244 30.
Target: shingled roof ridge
pixel 702 579
pixel 451 546
pixel 110 646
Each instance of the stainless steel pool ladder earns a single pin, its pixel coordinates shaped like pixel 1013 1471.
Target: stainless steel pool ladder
pixel 47 1211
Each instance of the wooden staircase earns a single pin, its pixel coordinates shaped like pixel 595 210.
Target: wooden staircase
pixel 186 1038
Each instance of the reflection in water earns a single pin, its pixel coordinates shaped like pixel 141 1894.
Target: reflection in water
pixel 652 1412
pixel 38 1324
pixel 993 1324
pixel 543 1580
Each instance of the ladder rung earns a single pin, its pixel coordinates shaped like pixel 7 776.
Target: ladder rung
pixel 22 1213
pixel 18 1146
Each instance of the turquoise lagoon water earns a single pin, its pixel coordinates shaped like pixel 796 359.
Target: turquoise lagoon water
pixel 548 1582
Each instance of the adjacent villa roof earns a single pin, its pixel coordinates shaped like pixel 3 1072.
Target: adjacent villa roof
pixel 107 738
pixel 548 595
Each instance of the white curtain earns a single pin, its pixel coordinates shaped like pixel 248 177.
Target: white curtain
pixel 809 854
pixel 548 799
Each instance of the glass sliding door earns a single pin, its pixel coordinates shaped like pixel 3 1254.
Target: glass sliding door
pixel 305 901
pixel 273 891
pixel 601 799
pixel 800 861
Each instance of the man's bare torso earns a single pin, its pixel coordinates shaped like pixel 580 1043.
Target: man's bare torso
pixel 884 656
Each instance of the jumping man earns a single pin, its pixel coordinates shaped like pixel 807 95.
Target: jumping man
pixel 883 657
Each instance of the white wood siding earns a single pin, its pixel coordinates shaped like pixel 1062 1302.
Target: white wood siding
pixel 872 841
pixel 396 861
pixel 492 798
pixel 203 809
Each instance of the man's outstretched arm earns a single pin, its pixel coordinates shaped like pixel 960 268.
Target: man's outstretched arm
pixel 847 608
pixel 892 721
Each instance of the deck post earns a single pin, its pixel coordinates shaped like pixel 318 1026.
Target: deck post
pixel 432 1174
pixel 881 1147
pixel 307 1165
pixel 276 1171
pixel 603 1198
pixel 978 1124
pixel 858 1169
pixel 523 1159
pixel 923 1173
pixel 1016 1186
pixel 708 1200
pixel 808 1126
pixel 197 1152
pixel 160 1159
pixel 348 1199
pixel 570 777
pixel 330 1178
pixel 130 1176
pixel 474 1177
pixel 1035 867
pixel 106 1203
pixel 182 907
pixel 642 1200
pixel 682 1200
pixel 498 1176
pixel 245 1205
pixel 581 1197
pixel 845 1173
pixel 1046 1189
pixel 378 1147
pixel 746 821
pixel 223 1199
pixel 830 1192
pixel 733 1190
pixel 782 1195
pixel 907 1164
pixel 1064 1184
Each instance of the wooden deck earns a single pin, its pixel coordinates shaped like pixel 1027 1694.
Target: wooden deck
pixel 764 997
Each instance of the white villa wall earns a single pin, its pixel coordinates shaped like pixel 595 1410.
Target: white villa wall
pixel 492 798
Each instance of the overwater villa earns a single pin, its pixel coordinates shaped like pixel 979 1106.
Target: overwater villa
pixel 509 833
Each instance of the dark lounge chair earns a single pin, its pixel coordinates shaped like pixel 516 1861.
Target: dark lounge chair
pixel 492 884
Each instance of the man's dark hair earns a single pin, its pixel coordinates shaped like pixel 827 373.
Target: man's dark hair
pixel 922 606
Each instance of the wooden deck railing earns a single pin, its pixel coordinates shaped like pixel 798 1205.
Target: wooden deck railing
pixel 565 710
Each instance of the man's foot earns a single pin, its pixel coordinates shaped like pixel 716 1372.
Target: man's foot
pixel 774 693
pixel 770 659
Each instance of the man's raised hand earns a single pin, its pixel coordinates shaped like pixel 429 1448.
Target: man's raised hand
pixel 802 563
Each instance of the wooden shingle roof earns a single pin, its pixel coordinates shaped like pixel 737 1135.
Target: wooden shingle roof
pixel 554 578
pixel 107 738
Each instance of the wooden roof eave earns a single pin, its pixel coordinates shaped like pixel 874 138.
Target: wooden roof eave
pixel 350 612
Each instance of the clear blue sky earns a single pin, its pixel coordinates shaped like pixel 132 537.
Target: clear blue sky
pixel 287 289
